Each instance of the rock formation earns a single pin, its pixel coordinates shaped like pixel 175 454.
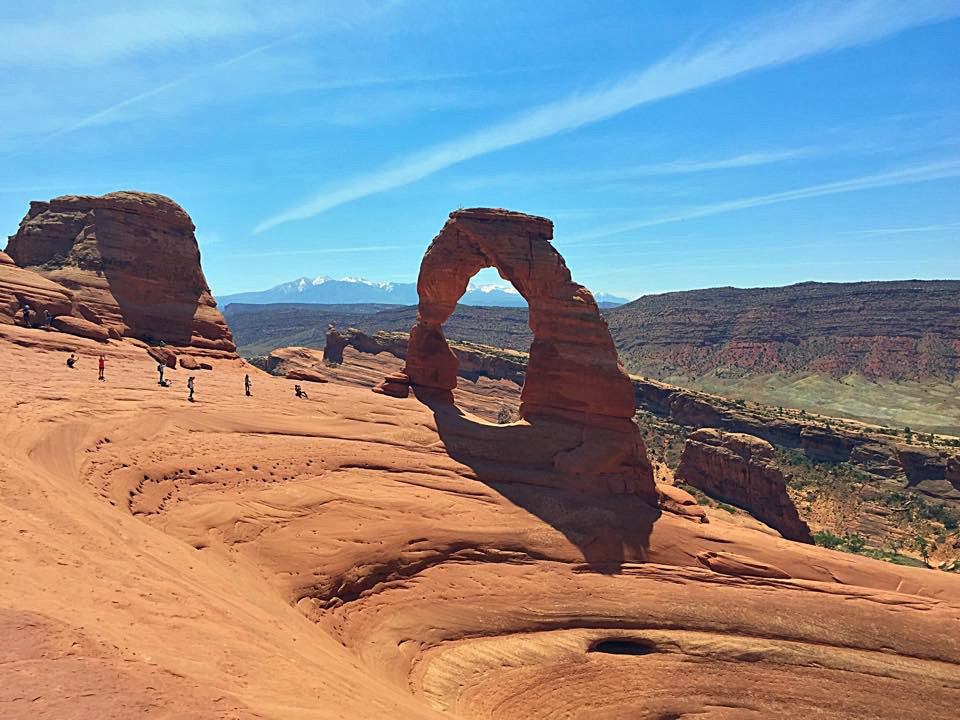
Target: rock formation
pixel 19 286
pixel 737 468
pixel 474 360
pixel 577 400
pixel 132 263
pixel 923 469
pixel 902 330
pixel 573 365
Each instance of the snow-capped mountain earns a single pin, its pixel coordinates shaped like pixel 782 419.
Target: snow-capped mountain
pixel 329 291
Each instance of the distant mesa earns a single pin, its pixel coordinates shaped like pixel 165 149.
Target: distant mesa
pixel 127 262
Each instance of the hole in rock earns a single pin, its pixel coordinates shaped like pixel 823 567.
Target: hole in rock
pixel 622 647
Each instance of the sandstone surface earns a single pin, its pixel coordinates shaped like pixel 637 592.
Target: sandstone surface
pixel 253 557
pixel 131 262
pixel 739 469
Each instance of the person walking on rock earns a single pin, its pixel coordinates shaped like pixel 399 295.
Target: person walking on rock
pixel 300 393
pixel 190 381
pixel 101 364
pixel 160 367
pixel 247 384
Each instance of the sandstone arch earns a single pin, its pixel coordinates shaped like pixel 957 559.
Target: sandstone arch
pixel 577 402
pixel 573 370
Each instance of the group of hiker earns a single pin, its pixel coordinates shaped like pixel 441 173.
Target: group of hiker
pixel 191 381
pixel 35 318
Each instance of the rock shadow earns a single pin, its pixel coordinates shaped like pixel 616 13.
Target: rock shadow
pixel 516 460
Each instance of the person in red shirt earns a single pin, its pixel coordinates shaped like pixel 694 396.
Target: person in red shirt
pixel 101 365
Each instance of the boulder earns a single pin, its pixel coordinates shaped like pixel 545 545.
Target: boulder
pixel 188 362
pixel 305 375
pixel 80 327
pixel 163 355
pixel 738 469
pixel 131 258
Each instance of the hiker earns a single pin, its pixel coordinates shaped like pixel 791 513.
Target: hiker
pixel 190 382
pixel 26 314
pixel 300 393
pixel 101 364
pixel 46 318
pixel 72 360
pixel 160 367
pixel 247 384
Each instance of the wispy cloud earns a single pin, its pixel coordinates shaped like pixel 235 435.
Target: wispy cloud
pixel 327 251
pixel 765 42
pixel 101 115
pixel 673 167
pixel 102 32
pixel 921 173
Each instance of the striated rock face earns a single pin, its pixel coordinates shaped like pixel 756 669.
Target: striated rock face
pixel 577 400
pixel 22 286
pixel 921 468
pixel 737 468
pixel 474 360
pixel 573 364
pixel 903 330
pixel 131 260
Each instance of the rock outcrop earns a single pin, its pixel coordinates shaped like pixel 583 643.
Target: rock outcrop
pixel 576 396
pixel 573 366
pixel 19 286
pixel 474 360
pixel 738 469
pixel 922 469
pixel 132 264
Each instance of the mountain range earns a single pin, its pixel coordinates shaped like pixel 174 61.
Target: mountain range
pixel 325 290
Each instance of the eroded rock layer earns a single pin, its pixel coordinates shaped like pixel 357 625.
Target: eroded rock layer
pixel 739 469
pixel 132 263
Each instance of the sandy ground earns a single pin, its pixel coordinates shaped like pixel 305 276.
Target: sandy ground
pixel 349 556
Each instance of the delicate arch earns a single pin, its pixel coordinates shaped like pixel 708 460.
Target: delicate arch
pixel 573 366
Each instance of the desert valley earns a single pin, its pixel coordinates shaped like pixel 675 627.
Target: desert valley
pixel 435 530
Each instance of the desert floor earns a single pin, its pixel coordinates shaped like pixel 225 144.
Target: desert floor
pixel 360 556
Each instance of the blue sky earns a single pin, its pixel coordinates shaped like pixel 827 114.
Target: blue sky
pixel 675 145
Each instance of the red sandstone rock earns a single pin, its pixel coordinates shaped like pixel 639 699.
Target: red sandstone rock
pixel 394 389
pixel 132 260
pixel 680 502
pixel 163 355
pixel 573 363
pixel 19 285
pixel 188 362
pixel 738 469
pixel 305 375
pixel 576 398
pixel 80 327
